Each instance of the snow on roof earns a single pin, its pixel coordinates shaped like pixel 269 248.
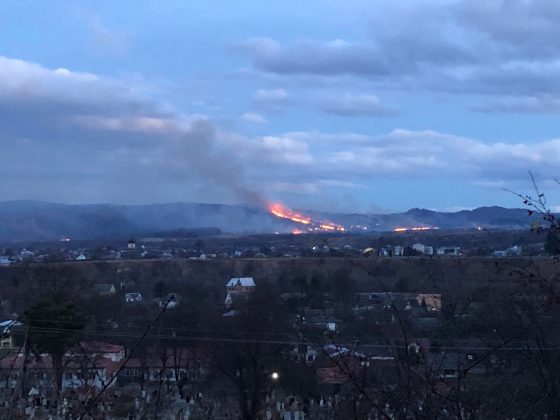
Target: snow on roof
pixel 10 323
pixel 243 281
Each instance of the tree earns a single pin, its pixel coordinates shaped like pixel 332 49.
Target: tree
pixel 410 252
pixel 552 245
pixel 52 327
pixel 250 347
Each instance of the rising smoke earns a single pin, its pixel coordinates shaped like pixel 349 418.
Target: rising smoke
pixel 199 150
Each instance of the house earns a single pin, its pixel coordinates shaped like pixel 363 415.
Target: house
pixel 105 289
pixel 398 251
pixel 25 254
pixel 452 364
pixel 8 329
pixel 431 300
pixel 171 299
pixel 80 257
pixel 392 251
pixel 88 364
pixel 514 251
pixel 5 260
pixel 238 290
pixel 449 250
pixel 303 353
pixel 320 318
pixel 133 297
pixel 131 244
pixel 423 249
pixel 241 284
pixel 368 252
pixel 173 364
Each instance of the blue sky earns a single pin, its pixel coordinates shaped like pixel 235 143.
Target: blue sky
pixel 338 105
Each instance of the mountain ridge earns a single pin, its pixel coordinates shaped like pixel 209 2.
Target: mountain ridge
pixel 31 220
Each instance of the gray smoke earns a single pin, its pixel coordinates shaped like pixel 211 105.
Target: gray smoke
pixel 199 150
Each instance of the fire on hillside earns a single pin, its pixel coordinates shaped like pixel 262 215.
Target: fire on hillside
pixel 310 224
pixel 414 229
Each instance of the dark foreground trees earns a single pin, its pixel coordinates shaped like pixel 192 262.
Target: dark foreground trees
pixel 248 349
pixel 52 327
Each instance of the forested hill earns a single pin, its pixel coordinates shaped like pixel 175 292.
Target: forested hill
pixel 36 221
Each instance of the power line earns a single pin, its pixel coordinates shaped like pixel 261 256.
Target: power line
pixel 276 342
pixel 120 369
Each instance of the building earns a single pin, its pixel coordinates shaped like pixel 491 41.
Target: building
pixel 171 299
pixel 514 251
pixel 320 318
pixel 105 289
pixel 238 290
pixel 392 251
pixel 431 300
pixel 449 250
pixel 398 251
pixel 240 284
pixel 423 249
pixel 134 297
pixel 8 330
pixel 5 260
pixel 131 244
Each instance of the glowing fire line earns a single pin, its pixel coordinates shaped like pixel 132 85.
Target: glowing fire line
pixel 415 229
pixel 283 212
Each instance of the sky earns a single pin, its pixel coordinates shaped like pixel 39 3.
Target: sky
pixel 353 106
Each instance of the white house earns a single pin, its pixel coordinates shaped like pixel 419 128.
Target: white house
pixel 398 251
pixel 5 260
pixel 171 299
pixel 134 297
pixel 423 249
pixel 241 284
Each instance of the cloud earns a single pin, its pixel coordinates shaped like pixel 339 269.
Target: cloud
pixel 495 47
pixel 271 96
pixel 253 117
pixel 103 40
pixel 544 104
pixel 74 136
pixel 528 27
pixel 433 154
pixel 69 125
pixel 363 105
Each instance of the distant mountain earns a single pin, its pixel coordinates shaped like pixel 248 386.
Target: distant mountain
pixel 484 217
pixel 38 221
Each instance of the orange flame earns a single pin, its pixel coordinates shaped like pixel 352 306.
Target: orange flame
pixel 415 229
pixel 283 212
pixel 279 210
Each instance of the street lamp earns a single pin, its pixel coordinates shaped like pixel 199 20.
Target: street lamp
pixel 275 376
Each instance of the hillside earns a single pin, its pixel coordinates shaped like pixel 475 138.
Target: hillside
pixel 39 221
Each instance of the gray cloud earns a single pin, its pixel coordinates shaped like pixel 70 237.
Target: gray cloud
pixel 80 137
pixel 272 100
pixel 71 127
pixel 528 27
pixel 361 105
pixel 538 105
pixel 253 117
pixel 493 47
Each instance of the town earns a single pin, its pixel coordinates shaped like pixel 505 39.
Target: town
pixel 212 244
pixel 275 338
